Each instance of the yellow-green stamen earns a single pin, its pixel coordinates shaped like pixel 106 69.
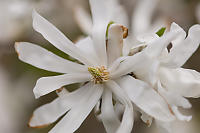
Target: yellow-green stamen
pixel 99 74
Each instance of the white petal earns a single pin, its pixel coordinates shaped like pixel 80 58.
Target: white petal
pixel 87 47
pixel 148 72
pixel 100 22
pixel 114 9
pixel 181 37
pixel 173 98
pixel 129 42
pixel 46 85
pixel 97 110
pixel 142 15
pixel 185 82
pixel 49 113
pixel 83 19
pixel 174 101
pixel 62 92
pixel 179 115
pixel 114 42
pixel 146 118
pixel 146 98
pixel 147 37
pixel 57 38
pixel 128 118
pixel 138 62
pixel 119 109
pixel 99 11
pixel 74 118
pixel 184 49
pixel 126 65
pixel 42 58
pixel 157 46
pixel 108 116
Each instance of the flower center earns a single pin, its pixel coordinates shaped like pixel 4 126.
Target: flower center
pixel 99 74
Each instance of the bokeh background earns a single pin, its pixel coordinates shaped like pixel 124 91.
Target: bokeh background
pixel 17 79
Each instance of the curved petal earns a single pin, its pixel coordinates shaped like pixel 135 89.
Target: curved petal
pixel 128 118
pixel 130 64
pixel 83 19
pixel 114 42
pixel 185 82
pixel 57 38
pixel 50 112
pixel 146 98
pixel 179 115
pixel 157 46
pixel 46 85
pixel 109 118
pixel 173 98
pixel 182 51
pixel 74 118
pixel 62 92
pixel 142 15
pixel 44 59
pixel 146 118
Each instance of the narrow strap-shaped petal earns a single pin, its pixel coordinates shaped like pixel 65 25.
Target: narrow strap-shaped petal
pixel 142 15
pixel 87 47
pixel 128 116
pixel 100 22
pixel 57 38
pixel 146 98
pixel 44 59
pixel 114 42
pixel 83 19
pixel 184 49
pixel 128 64
pixel 50 112
pixel 179 115
pixel 109 118
pixel 185 82
pixel 46 85
pixel 74 118
pixel 114 9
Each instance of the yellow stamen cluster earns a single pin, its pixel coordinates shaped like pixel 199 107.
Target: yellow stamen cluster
pixel 99 74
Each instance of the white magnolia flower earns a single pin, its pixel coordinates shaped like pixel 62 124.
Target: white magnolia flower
pixel 102 70
pixel 142 26
pixel 165 74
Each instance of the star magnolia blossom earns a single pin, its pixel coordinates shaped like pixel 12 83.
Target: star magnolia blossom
pixel 164 72
pixel 159 73
pixel 102 70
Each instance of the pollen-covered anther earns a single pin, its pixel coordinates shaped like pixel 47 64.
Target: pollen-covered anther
pixel 125 30
pixel 99 74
